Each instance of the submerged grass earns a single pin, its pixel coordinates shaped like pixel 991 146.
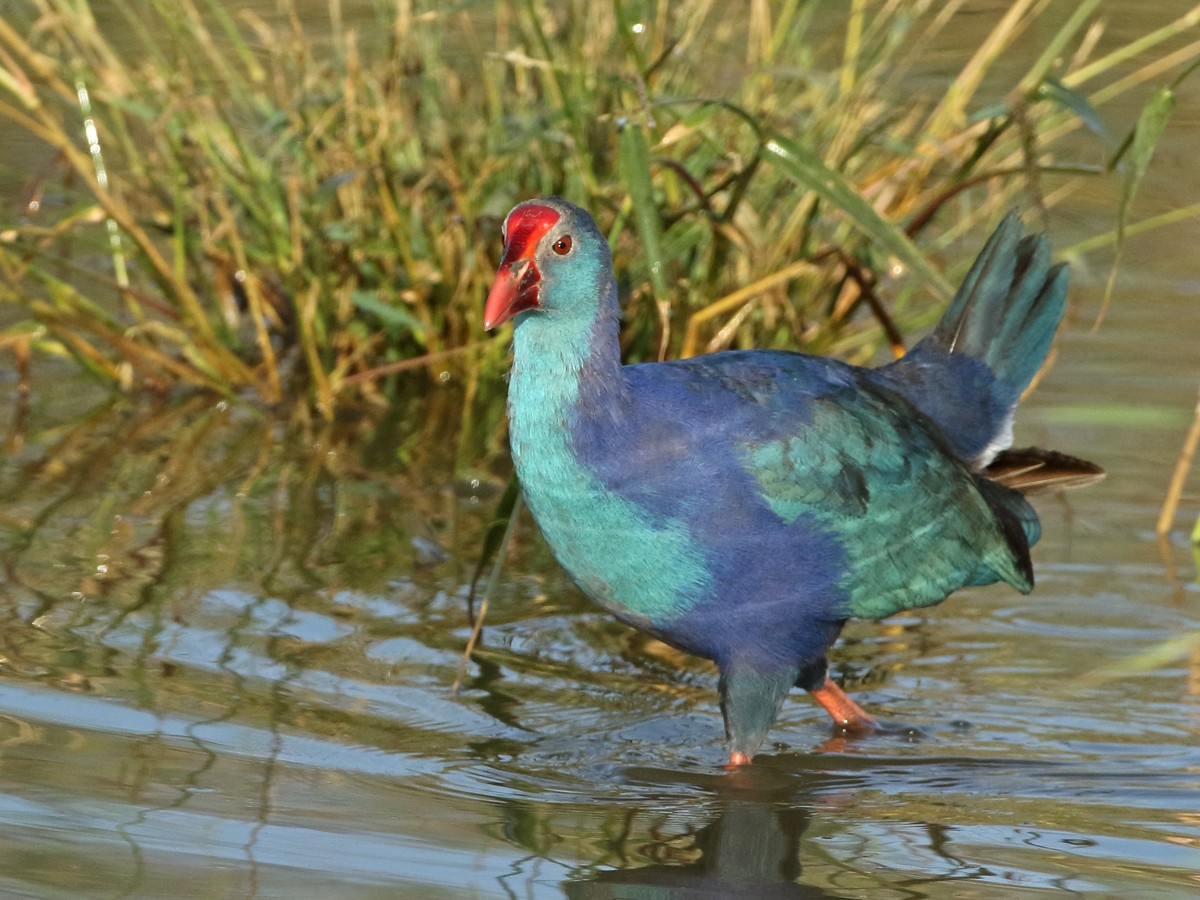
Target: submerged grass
pixel 243 207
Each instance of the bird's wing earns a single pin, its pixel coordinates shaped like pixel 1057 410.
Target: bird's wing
pixel 913 522
pixel 812 443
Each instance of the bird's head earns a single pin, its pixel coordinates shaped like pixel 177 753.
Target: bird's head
pixel 554 261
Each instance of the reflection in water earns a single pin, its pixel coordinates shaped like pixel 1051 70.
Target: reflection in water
pixel 749 847
pixel 196 563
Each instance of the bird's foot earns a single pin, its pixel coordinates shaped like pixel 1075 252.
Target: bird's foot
pixel 848 716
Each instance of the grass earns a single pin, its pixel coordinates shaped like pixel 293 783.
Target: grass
pixel 247 209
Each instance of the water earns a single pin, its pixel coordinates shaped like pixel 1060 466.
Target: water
pixel 226 652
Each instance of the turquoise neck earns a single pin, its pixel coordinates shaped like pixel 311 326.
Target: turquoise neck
pixel 562 360
pixel 567 371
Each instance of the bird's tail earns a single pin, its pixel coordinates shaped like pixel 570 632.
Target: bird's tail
pixel 969 373
pixel 1008 308
pixel 1032 470
pixel 1003 485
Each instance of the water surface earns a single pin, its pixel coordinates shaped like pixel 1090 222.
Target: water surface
pixel 227 647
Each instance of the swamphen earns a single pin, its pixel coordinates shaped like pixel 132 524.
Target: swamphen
pixel 742 506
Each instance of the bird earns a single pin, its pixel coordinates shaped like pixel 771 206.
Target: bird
pixel 742 506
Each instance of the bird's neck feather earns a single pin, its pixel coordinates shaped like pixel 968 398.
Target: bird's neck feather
pixel 566 364
pixel 567 375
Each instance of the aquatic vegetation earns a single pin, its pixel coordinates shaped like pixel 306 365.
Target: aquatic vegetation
pixel 241 207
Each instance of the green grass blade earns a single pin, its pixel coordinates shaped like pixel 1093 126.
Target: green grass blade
pixel 394 317
pixel 635 169
pixel 810 171
pixel 1157 657
pixel 1054 49
pixel 498 533
pixel 1055 91
pixel 1151 124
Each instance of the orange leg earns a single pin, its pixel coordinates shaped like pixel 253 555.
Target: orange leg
pixel 848 715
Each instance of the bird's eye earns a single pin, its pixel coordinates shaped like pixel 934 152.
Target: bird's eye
pixel 563 245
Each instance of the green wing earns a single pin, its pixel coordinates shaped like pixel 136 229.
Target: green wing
pixel 910 517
